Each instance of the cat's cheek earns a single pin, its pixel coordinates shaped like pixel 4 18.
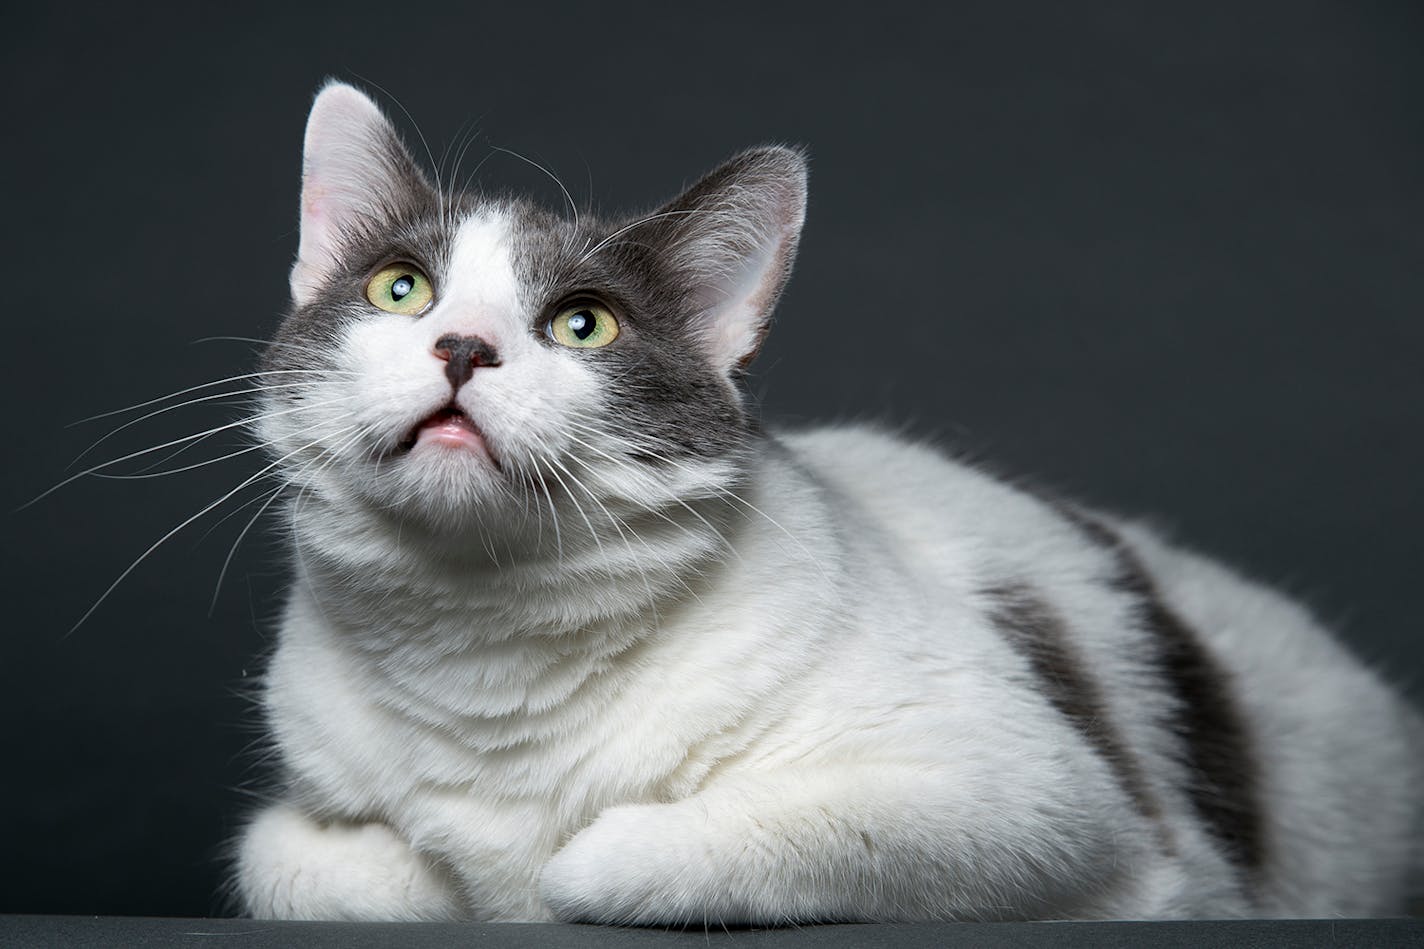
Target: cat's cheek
pixel 638 864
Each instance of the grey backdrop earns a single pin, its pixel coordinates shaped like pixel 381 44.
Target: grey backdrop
pixel 1164 257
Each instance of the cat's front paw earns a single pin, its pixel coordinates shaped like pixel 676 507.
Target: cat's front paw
pixel 290 867
pixel 634 865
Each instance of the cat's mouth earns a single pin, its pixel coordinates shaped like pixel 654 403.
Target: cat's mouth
pixel 448 429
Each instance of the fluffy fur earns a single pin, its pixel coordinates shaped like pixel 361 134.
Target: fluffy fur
pixel 640 661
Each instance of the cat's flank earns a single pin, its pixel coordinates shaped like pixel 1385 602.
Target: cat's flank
pixel 572 637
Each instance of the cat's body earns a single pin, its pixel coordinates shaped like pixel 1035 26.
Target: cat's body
pixel 693 672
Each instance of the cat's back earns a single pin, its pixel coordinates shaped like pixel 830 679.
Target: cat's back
pixel 1188 658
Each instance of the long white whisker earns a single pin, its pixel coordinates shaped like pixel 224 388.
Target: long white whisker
pixel 465 185
pixel 251 339
pixel 726 493
pixel 142 475
pixel 598 542
pixel 553 510
pixel 177 441
pixel 231 551
pixel 172 408
pixel 627 466
pixel 413 124
pixel 227 517
pixel 638 223
pixel 553 177
pixel 469 138
pixel 333 452
pixel 145 475
pixel 206 385
pixel 611 518
pixel 158 543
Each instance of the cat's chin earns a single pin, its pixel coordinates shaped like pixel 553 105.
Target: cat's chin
pixel 447 487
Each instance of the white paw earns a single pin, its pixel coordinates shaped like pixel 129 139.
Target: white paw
pixel 640 865
pixel 290 867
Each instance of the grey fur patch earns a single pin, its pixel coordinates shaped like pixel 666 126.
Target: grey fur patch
pixel 416 225
pixel 661 383
pixel 1037 633
pixel 1216 739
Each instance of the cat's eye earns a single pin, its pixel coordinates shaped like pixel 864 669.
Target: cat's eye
pixel 583 325
pixel 400 288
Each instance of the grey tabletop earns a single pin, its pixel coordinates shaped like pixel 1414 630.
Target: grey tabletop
pixel 106 931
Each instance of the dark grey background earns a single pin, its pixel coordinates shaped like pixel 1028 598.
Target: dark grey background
pixel 1163 257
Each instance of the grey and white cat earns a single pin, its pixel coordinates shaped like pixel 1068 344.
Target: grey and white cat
pixel 573 637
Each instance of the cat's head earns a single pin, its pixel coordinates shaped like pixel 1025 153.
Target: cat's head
pixel 458 358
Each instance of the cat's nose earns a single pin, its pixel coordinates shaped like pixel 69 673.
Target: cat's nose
pixel 462 354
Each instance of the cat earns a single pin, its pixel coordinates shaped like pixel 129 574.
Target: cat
pixel 573 637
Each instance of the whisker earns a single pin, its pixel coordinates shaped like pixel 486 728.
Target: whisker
pixel 627 466
pixel 553 511
pixel 334 453
pixel 143 476
pixel 413 124
pixel 138 476
pixel 222 573
pixel 638 223
pixel 579 507
pixel 158 543
pixel 467 130
pixel 468 138
pixel 475 171
pixel 725 493
pixel 251 339
pixel 603 554
pixel 225 518
pixel 172 408
pixel 177 441
pixel 555 178
pixel 205 385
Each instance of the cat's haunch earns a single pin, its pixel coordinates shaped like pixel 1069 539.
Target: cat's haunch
pixel 572 636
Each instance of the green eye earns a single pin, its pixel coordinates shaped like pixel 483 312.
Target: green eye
pixel 400 288
pixel 584 326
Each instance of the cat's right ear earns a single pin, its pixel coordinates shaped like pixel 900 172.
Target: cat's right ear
pixel 355 174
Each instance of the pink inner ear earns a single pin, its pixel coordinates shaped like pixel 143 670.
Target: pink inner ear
pixel 312 195
pixel 317 219
pixel 315 254
pixel 346 160
pixel 739 304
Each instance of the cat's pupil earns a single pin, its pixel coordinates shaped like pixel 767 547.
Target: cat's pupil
pixel 402 286
pixel 582 324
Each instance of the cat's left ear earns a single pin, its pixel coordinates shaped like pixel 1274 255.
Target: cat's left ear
pixel 731 239
pixel 356 174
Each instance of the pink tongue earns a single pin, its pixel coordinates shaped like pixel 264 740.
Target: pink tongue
pixel 452 430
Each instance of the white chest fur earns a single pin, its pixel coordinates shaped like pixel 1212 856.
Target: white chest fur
pixel 488 750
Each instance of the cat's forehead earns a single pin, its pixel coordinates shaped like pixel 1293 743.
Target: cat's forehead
pixel 480 269
pixel 512 248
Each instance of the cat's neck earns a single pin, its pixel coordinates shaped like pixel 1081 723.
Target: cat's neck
pixel 392 585
pixel 459 627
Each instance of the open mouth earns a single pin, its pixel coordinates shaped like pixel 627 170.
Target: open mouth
pixel 449 429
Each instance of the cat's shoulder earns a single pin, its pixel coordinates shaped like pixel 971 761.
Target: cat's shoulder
pixel 875 461
pixel 855 447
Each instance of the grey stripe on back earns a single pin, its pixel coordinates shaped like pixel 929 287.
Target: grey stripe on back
pixel 1216 741
pixel 1036 631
